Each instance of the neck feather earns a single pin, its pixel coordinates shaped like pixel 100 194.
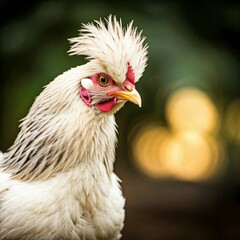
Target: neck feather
pixel 56 137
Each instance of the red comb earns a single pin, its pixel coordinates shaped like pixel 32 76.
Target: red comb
pixel 130 74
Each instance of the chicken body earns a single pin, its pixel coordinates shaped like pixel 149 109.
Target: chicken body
pixel 80 202
pixel 57 179
pixel 64 207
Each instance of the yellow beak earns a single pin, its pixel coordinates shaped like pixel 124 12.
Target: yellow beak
pixel 132 96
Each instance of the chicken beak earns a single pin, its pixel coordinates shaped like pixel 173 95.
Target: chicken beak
pixel 131 95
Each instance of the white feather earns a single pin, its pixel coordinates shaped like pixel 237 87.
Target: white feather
pixel 112 46
pixel 57 180
pixel 77 196
pixel 87 83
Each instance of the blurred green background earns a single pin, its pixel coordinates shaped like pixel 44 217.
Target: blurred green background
pixel 179 155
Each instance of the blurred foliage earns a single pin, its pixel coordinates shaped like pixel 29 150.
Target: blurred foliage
pixel 190 44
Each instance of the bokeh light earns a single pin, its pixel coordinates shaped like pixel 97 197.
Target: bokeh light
pixel 147 149
pixel 189 149
pixel 192 156
pixel 191 109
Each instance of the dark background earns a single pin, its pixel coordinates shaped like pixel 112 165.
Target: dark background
pixel 193 44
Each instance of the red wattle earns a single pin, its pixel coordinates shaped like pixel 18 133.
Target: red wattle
pixel 107 105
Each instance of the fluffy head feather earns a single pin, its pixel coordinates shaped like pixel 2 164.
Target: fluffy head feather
pixel 113 47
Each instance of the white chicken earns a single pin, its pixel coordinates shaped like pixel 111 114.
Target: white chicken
pixel 57 179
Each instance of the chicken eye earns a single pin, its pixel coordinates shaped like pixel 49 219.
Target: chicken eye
pixel 103 81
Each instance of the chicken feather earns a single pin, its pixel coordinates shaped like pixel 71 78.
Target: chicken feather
pixel 57 179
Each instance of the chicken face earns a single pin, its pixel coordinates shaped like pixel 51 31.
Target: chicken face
pixel 105 93
pixel 117 59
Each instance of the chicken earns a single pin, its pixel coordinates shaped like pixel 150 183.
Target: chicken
pixel 57 179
